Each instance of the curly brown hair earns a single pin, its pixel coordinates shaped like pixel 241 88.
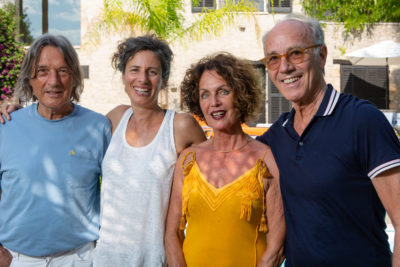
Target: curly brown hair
pixel 239 75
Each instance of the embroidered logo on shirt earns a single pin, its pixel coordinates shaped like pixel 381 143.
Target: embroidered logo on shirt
pixel 72 152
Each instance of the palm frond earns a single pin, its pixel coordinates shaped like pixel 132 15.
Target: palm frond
pixel 215 22
pixel 165 18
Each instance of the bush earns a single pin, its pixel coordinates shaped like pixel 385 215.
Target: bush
pixel 11 52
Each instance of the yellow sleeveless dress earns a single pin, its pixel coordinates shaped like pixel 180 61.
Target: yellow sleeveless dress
pixel 225 226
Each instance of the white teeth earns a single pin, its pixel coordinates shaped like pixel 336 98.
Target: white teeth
pixel 219 113
pixel 141 90
pixel 291 80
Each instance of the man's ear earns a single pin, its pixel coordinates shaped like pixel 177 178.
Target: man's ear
pixel 323 53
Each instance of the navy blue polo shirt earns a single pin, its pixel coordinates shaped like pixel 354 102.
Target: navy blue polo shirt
pixel 333 214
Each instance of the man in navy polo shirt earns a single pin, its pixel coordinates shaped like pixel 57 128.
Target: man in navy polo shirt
pixel 337 155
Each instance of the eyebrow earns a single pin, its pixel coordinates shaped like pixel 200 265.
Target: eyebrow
pixel 223 86
pixel 150 67
pixel 292 47
pixel 47 66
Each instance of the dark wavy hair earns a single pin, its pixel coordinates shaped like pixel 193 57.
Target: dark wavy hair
pixel 130 46
pixel 239 75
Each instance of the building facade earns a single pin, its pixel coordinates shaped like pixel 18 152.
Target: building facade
pixel 104 89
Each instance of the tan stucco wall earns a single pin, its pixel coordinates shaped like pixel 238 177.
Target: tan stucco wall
pixel 103 89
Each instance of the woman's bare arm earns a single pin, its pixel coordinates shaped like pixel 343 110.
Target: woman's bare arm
pixel 274 254
pixel 174 236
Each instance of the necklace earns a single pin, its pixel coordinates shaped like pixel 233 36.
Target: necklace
pixel 233 150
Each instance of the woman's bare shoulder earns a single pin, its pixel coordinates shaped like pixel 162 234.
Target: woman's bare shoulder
pixel 259 147
pixel 185 120
pixel 115 115
pixel 187 131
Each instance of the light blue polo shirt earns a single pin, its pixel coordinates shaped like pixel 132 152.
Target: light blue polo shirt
pixel 333 214
pixel 49 177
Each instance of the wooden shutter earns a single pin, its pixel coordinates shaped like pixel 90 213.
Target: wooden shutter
pixel 277 103
pixel 366 82
pixel 260 69
pixel 280 6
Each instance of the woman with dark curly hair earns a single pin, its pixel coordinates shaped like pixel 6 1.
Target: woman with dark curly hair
pixel 226 190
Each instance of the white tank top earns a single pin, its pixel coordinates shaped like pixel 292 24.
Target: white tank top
pixel 135 192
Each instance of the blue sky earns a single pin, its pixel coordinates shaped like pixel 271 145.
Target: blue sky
pixel 64 18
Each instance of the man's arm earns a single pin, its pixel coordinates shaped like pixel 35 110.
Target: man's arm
pixel 387 185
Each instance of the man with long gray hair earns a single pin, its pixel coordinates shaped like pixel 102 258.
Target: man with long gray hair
pixel 338 159
pixel 50 162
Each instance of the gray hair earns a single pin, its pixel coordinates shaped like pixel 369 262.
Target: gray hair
pixel 315 27
pixel 31 59
pixel 130 46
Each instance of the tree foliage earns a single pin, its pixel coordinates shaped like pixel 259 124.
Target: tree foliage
pixel 24 34
pixel 355 14
pixel 165 18
pixel 11 52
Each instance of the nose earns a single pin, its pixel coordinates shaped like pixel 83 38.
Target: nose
pixel 143 76
pixel 285 66
pixel 215 100
pixel 53 78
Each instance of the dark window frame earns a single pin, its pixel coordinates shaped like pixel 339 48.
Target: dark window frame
pixel 277 6
pixel 203 5
pixel 277 103
pixel 261 71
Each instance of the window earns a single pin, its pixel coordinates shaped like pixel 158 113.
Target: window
pixel 279 6
pixel 85 71
pixel 212 4
pixel 366 82
pixel 258 4
pixel 206 4
pixel 64 17
pixel 277 103
pixel 260 69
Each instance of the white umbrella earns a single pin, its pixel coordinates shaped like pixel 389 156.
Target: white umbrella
pixel 380 54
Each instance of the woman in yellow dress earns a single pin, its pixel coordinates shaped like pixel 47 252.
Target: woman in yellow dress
pixel 225 190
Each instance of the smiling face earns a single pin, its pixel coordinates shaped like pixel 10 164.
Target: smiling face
pixel 52 84
pixel 217 102
pixel 143 78
pixel 298 83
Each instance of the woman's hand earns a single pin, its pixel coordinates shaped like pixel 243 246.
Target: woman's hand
pixel 5 110
pixel 5 257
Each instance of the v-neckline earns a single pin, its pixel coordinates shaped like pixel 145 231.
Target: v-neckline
pixel 217 190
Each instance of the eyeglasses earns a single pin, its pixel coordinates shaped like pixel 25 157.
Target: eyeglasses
pixel 293 56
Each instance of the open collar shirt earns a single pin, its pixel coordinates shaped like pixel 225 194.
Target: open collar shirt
pixel 333 214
